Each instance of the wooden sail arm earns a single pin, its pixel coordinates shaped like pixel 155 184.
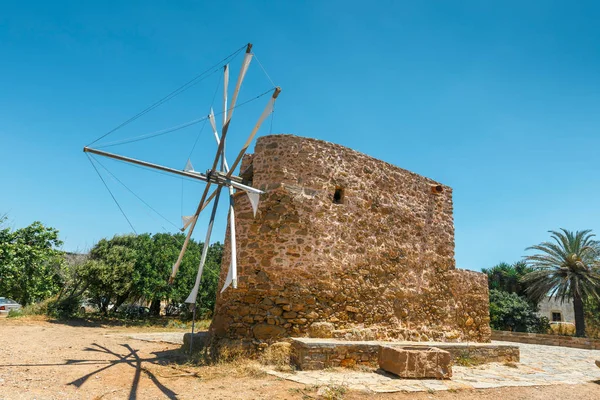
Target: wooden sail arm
pixel 268 110
pixel 214 177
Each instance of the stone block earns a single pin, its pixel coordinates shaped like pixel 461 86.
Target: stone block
pixel 266 331
pixel 415 362
pixel 199 341
pixel 321 330
pixel 352 309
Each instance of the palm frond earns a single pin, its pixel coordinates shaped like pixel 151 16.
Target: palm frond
pixel 566 266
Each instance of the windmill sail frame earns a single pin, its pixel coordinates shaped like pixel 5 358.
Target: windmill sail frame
pixel 222 177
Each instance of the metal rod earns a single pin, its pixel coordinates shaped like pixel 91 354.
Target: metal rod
pixel 193 323
pixel 194 293
pixel 201 206
pixel 225 128
pixel 254 130
pixel 219 178
pixel 193 175
pixel 233 266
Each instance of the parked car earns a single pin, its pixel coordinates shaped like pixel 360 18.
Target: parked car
pixel 88 306
pixel 6 305
pixel 134 310
pixel 175 309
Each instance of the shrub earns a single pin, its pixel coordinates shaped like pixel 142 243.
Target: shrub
pixel 64 308
pixel 508 311
pixel 15 313
pixel 563 329
pixel 40 308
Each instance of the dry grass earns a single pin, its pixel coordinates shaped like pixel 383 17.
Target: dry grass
pixel 238 368
pixel 327 392
pixel 332 392
pixel 464 359
pixel 242 367
pixel 201 325
pixel 232 361
pixel 278 355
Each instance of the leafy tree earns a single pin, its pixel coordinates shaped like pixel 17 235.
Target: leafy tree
pixel 30 264
pixel 166 248
pixel 138 267
pixel 507 277
pixel 508 311
pixel 111 277
pixel 155 257
pixel 566 268
pixel 77 278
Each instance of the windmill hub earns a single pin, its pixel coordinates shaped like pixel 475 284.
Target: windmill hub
pixel 220 178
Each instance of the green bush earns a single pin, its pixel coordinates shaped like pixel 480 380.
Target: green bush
pixel 15 313
pixel 40 308
pixel 64 308
pixel 510 312
pixel 30 263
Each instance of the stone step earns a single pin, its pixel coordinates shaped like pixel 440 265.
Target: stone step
pixel 317 353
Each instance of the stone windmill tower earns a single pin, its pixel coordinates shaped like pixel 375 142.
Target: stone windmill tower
pixel 348 246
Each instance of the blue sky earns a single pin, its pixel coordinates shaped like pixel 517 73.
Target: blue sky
pixel 498 100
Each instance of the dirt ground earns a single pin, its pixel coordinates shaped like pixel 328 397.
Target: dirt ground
pixel 41 359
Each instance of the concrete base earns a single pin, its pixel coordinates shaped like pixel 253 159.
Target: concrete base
pixel 314 353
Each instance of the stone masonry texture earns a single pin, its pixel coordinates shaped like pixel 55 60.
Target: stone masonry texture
pixel 312 354
pixel 348 240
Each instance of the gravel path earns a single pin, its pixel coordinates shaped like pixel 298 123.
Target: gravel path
pixel 45 360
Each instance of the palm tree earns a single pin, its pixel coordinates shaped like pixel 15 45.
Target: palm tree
pixel 507 277
pixel 567 268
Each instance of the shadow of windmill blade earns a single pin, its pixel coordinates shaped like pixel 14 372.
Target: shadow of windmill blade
pixel 80 381
pixel 107 350
pixel 81 362
pixel 92 349
pixel 166 391
pixel 138 371
pixel 102 349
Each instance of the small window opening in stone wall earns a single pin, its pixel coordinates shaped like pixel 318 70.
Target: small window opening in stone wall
pixel 338 196
pixel 248 175
pixel 556 317
pixel 437 189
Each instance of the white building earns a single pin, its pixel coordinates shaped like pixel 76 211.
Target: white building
pixel 556 311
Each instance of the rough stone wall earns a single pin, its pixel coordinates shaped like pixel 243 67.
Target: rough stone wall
pixel 547 340
pixel 376 261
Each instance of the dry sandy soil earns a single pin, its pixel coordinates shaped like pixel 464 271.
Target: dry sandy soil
pixel 41 359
